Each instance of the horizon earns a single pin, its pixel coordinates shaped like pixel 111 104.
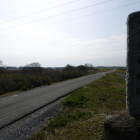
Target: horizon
pixel 61 66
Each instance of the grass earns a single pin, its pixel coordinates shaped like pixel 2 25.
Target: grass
pixel 104 69
pixel 121 71
pixel 84 110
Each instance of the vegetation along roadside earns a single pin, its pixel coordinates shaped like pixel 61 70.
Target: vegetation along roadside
pixel 84 110
pixel 33 75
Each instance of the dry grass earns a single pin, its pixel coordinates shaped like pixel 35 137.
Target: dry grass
pixel 84 111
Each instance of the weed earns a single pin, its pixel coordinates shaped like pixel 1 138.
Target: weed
pixel 75 100
pixel 64 119
pixel 121 71
pixel 84 110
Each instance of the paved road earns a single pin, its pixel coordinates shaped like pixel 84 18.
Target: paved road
pixel 17 106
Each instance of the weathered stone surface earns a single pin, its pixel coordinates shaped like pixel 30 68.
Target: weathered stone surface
pixel 133 65
pixel 121 127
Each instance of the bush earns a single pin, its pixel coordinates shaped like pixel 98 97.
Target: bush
pixel 18 81
pixel 27 77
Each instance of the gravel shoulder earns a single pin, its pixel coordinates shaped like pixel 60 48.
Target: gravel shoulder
pixel 23 129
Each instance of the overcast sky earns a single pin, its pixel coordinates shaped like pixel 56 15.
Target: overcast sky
pixel 59 32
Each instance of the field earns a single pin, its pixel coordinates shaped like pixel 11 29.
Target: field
pixel 84 110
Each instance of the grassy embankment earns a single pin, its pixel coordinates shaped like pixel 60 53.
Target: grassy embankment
pixel 83 111
pixel 121 71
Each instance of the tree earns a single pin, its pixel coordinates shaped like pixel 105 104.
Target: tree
pixel 89 66
pixel 69 67
pixel 33 68
pixel 2 69
pixel 83 68
pixel 33 65
pixel 1 63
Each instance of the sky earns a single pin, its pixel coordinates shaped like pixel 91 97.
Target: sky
pixel 56 33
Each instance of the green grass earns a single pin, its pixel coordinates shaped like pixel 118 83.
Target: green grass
pixel 83 111
pixel 121 71
pixel 104 69
pixel 99 70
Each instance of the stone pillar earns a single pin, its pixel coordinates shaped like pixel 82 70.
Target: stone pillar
pixel 124 126
pixel 133 65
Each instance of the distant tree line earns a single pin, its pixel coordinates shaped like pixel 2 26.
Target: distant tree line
pixel 33 75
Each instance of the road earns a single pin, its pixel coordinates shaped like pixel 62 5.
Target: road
pixel 17 106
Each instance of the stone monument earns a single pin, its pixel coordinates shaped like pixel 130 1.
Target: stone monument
pixel 133 65
pixel 125 125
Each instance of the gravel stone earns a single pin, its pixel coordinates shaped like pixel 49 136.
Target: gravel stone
pixel 24 128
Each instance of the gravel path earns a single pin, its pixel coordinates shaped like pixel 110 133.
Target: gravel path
pixel 26 127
